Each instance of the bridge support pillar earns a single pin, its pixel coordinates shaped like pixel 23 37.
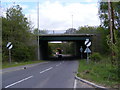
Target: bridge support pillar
pixel 43 50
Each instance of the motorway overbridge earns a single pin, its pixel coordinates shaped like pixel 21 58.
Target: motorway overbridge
pixel 78 39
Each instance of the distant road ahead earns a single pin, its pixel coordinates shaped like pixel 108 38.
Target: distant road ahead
pixel 54 74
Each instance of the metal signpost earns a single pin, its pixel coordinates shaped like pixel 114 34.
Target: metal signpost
pixel 9 46
pixel 87 50
pixel 81 50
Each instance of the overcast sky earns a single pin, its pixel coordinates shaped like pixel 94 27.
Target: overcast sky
pixel 57 14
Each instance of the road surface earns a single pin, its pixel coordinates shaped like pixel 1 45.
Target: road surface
pixel 54 74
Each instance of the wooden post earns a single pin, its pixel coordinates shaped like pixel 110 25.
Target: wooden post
pixel 9 56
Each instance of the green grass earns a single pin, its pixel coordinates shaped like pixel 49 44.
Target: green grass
pixel 101 73
pixel 15 64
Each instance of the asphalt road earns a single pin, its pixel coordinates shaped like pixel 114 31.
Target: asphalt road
pixel 54 74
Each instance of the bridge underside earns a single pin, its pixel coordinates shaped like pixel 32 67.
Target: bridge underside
pixel 77 39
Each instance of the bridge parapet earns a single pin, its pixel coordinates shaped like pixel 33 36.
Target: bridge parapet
pixel 65 37
pixel 69 31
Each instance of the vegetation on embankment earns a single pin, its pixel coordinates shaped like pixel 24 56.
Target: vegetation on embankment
pixel 101 70
pixel 101 73
pixel 15 64
pixel 16 29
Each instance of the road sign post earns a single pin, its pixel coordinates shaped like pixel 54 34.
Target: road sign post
pixel 87 50
pixel 87 58
pixel 9 56
pixel 81 50
pixel 9 46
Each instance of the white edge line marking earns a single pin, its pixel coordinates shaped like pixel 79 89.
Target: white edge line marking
pixel 75 84
pixel 46 70
pixel 43 63
pixel 19 81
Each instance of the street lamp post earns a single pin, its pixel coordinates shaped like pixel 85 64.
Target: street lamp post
pixel 38 30
pixel 72 21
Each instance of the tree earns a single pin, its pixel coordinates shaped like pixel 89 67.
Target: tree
pixel 70 31
pixel 115 18
pixel 40 31
pixel 99 43
pixel 103 14
pixel 18 24
pixel 87 30
pixel 16 29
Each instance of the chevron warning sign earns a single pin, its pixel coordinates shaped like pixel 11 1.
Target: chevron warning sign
pixel 87 43
pixel 9 45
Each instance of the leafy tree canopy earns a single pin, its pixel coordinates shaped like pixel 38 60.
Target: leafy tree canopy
pixel 16 29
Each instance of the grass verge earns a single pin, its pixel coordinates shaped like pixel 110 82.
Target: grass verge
pixel 101 73
pixel 15 64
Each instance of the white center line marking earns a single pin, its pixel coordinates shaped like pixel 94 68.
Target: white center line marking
pixel 18 82
pixel 58 64
pixel 75 84
pixel 46 70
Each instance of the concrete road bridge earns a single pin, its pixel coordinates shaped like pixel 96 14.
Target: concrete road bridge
pixel 78 39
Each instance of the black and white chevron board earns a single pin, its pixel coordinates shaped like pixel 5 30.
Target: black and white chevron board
pixel 87 42
pixel 87 50
pixel 9 45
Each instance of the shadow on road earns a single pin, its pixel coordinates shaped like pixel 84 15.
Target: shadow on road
pixel 66 58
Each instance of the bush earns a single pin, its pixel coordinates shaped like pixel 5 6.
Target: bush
pixel 96 57
pixel 23 52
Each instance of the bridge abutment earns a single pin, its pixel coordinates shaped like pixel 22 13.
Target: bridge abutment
pixel 43 50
